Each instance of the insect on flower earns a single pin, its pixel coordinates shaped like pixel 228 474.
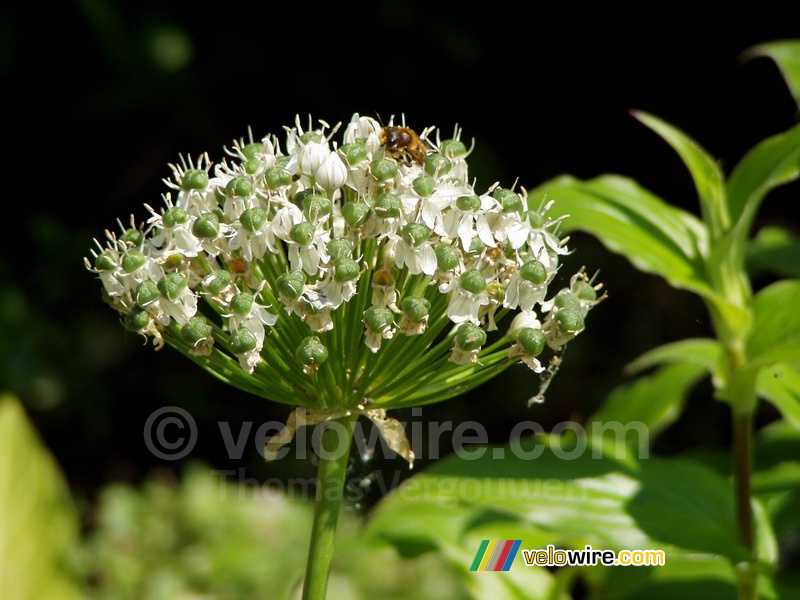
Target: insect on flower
pixel 403 142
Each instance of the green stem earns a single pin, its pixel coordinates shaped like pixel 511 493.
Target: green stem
pixel 330 491
pixel 742 458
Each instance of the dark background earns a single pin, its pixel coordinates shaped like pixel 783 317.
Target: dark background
pixel 122 88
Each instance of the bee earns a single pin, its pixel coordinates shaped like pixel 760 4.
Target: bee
pixel 403 142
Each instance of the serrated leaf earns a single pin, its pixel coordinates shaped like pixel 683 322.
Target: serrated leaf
pixel 775 336
pixel 708 178
pixel 38 523
pixel 780 385
pixel 786 54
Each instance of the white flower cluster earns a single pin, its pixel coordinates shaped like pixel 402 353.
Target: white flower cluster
pixel 397 232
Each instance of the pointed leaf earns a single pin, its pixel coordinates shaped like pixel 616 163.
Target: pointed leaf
pixel 780 385
pixel 786 53
pixel 775 336
pixel 698 351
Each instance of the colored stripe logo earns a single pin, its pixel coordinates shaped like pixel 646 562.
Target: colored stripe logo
pixel 495 555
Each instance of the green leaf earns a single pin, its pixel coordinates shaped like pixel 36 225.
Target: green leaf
pixel 774 250
pixel 780 385
pixel 698 351
pixel 773 162
pixel 708 178
pixel 786 54
pixel 38 522
pixel 656 237
pixel 775 336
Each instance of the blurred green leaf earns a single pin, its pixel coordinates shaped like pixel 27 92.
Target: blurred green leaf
pixel 656 237
pixel 38 522
pixel 780 384
pixel 786 53
pixel 707 176
pixel 775 336
pixel 698 351
pixel 775 250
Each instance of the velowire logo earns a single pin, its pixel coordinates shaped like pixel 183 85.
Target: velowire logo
pixel 495 555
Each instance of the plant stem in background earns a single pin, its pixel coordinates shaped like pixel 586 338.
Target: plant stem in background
pixel 742 458
pixel 335 446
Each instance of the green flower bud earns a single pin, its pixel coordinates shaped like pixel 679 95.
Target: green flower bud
pixel 532 340
pixel 311 352
pixel 415 234
pixel 534 272
pixel 132 260
pixel 242 303
pixel 472 280
pixel 106 261
pixel 171 285
pixel 388 206
pixel 345 269
pixel 207 226
pixel 468 203
pixel 252 166
pixel 316 206
pixel 282 161
pixel 174 216
pixel 133 237
pixel 342 248
pixel 312 137
pixel 240 186
pixel 291 284
pixel 241 341
pixel 146 293
pixel 570 320
pixel 470 337
pixel 424 185
pixel 302 233
pixel 354 153
pixel 378 318
pixel 196 330
pixel 567 301
pixel 535 219
pixel 251 149
pixel 453 148
pixel 219 282
pixel 194 179
pixel 584 291
pixel 510 201
pixel 355 214
pixel 383 169
pixel 136 320
pixel 253 219
pixel 446 257
pixel 436 164
pixel 278 177
pixel 416 309
pixel 476 246
pixel 173 261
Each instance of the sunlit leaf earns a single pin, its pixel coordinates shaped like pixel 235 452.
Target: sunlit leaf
pixel 775 336
pixel 780 384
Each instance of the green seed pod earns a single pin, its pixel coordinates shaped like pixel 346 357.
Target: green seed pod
pixel 207 226
pixel 453 148
pixel 378 318
pixel 534 272
pixel 253 219
pixel 132 237
pixel 240 186
pixel 424 185
pixel 219 282
pixel 196 330
pixel 252 166
pixel 415 234
pixel 472 280
pixel 446 257
pixel 532 340
pixel 355 214
pixel 535 220
pixel 136 320
pixel 341 248
pixel 311 352
pixel 172 285
pixel 282 161
pixel 354 153
pixel 242 303
pixel 470 337
pixel 194 179
pixel 241 341
pixel 316 206
pixel 510 201
pixel 132 260
pixel 174 216
pixel 567 301
pixel 468 203
pixel 146 293
pixel 106 261
pixel 302 233
pixel 314 137
pixel 584 291
pixel 388 206
pixel 436 164
pixel 570 320
pixel 291 284
pixel 345 269
pixel 278 177
pixel 476 246
pixel 416 309
pixel 251 149
pixel 383 169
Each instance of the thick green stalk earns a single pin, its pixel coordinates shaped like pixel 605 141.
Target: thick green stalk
pixel 335 445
